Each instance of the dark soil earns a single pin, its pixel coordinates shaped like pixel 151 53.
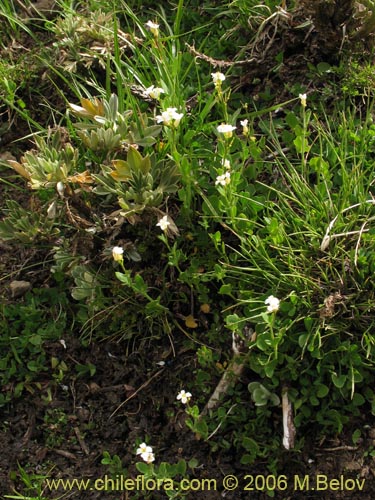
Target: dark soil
pixel 132 396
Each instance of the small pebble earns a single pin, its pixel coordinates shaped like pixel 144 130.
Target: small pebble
pixel 19 288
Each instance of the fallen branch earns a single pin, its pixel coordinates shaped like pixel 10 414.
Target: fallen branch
pixel 288 424
pixel 81 441
pixel 338 448
pixel 65 454
pixel 218 63
pixel 233 371
pixel 264 40
pixel 145 384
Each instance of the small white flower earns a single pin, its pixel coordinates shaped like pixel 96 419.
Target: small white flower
pixel 164 223
pixel 154 92
pixel 143 448
pixel 153 27
pixel 303 98
pixel 245 128
pixel 217 78
pixel 273 304
pixel 223 180
pixel 226 130
pixel 170 117
pixel 226 164
pixel 184 396
pixel 117 254
pixel 148 457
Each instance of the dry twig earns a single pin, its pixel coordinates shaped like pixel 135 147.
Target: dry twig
pixel 145 384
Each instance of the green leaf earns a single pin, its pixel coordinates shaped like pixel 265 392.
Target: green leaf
pixel 322 391
pixel 192 463
pixel 154 308
pixel 216 236
pixel 302 339
pixel 134 159
pixel 301 144
pixel 259 397
pixel 323 67
pixel 232 320
pixel 314 401
pixel 358 399
pixel 356 436
pixel 247 459
pixel 142 468
pixel 264 341
pixel 145 165
pixel 274 399
pixel 201 428
pixel 291 120
pixel 36 340
pixel 124 278
pixel 338 380
pixel 308 322
pixel 249 444
pixel 139 284
pixel 269 369
pixel 181 466
pixel 163 470
pixel 83 370
pixel 226 290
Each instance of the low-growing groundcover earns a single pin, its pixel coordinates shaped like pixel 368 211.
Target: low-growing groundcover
pixel 187 250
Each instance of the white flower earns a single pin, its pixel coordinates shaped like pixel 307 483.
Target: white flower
pixel 245 128
pixel 117 253
pixel 170 117
pixel 184 396
pixel 303 98
pixel 226 130
pixel 273 304
pixel 154 92
pixel 148 457
pixel 226 164
pixel 163 223
pixel 153 27
pixel 223 180
pixel 143 448
pixel 217 78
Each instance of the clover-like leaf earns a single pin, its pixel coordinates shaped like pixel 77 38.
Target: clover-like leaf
pixel 261 395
